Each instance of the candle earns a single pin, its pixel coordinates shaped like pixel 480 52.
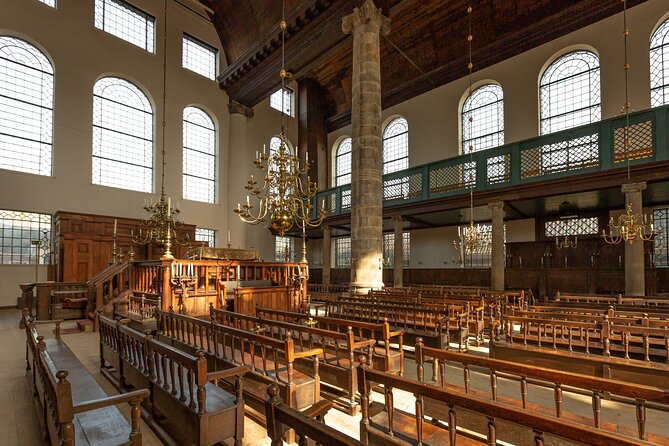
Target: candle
pixel 114 227
pixel 306 156
pixel 520 261
pixel 264 147
pixel 228 236
pixel 247 200
pixel 169 205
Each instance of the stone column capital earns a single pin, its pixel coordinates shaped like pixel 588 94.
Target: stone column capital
pixel 366 17
pixel 235 107
pixel 633 187
pixel 496 205
pixel 397 219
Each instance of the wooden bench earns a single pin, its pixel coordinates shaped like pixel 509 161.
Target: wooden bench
pixel 71 407
pixel 618 299
pixel 336 365
pixel 306 426
pixel 384 424
pixel 271 360
pixel 385 358
pixel 185 399
pixel 636 396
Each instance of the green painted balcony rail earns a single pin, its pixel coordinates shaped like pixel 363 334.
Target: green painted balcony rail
pixel 589 148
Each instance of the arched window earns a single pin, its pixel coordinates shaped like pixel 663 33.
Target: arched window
pixel 396 146
pixel 199 156
pixel 122 136
pixel 26 107
pixel 659 66
pixel 343 162
pixel 483 119
pixel 570 92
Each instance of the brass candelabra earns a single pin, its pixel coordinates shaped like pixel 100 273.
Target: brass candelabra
pixel 183 276
pixel 161 226
pixel 629 227
pixel 566 243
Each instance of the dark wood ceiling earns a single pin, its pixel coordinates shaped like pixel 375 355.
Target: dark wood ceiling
pixel 432 33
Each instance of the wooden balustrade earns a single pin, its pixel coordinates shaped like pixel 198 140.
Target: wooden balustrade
pixel 438 360
pixel 392 426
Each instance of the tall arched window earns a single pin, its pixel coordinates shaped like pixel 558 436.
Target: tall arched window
pixel 396 146
pixel 659 66
pixel 199 156
pixel 122 136
pixel 570 92
pixel 483 119
pixel 343 162
pixel 26 107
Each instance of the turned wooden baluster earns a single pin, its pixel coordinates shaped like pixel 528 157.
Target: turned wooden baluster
pixel 452 425
pixel 646 346
pixel 587 341
pixel 641 417
pixel 420 371
pixel 523 391
pixel 605 333
pixel 571 341
pixel 419 420
pixel 492 434
pixel 493 384
pixel 390 408
pixel 191 398
pixel 364 399
pixel 554 337
pixel 173 365
pixel 180 377
pixel 597 408
pixel 201 377
pixel 557 395
pixel 626 341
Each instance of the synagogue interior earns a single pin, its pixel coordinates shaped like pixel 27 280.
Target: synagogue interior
pixel 334 222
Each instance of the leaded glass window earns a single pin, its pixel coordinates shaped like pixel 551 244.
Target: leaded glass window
pixel 199 57
pixel 122 136
pixel 26 107
pixel 127 22
pixel 199 156
pixel 661 222
pixel 389 249
pixel 659 66
pixel 284 250
pixel 282 99
pixel 572 226
pixel 570 92
pixel 343 162
pixel 206 235
pixel 342 251
pixel 18 231
pixel 483 119
pixel 396 146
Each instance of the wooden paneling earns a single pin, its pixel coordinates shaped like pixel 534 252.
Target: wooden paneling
pixel 83 243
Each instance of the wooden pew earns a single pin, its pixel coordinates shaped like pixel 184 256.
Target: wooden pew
pixel 336 365
pixel 638 396
pixel 434 326
pixel 388 425
pixel 71 407
pixel 279 416
pixel 270 360
pixel 194 409
pixel 618 299
pixel 385 358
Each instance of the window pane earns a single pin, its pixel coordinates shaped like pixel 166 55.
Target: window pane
pixel 126 22
pixel 389 249
pixel 283 249
pixel 199 156
pixel 343 162
pixel 282 99
pixel 342 252
pixel 572 226
pixel 483 119
pixel 17 232
pixel 396 146
pixel 122 136
pixel 659 66
pixel 206 235
pixel 26 107
pixel 570 92
pixel 199 57
pixel 661 221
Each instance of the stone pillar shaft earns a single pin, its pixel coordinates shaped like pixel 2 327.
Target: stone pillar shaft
pixel 237 145
pixel 327 254
pixel 366 23
pixel 497 254
pixel 398 254
pixel 635 280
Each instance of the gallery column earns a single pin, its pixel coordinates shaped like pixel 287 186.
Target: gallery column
pixel 497 254
pixel 327 254
pixel 366 23
pixel 635 274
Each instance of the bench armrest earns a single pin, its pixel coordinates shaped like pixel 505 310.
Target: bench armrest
pixel 392 334
pixel 305 353
pixel 228 373
pixel 50 321
pixel 366 343
pixel 318 409
pixel 136 396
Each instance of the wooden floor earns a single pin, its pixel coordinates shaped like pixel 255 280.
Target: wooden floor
pixel 18 423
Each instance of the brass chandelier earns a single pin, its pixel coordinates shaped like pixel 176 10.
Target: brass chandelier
pixel 161 225
pixel 470 238
pixel 284 196
pixel 629 226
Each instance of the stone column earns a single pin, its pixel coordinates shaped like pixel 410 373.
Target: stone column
pixel 635 274
pixel 366 23
pixel 238 155
pixel 327 254
pixel 398 254
pixel 497 254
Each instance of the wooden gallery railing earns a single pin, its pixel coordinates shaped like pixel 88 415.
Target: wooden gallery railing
pixel 386 358
pixel 196 410
pixel 339 349
pixel 270 360
pixel 392 426
pixel 438 362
